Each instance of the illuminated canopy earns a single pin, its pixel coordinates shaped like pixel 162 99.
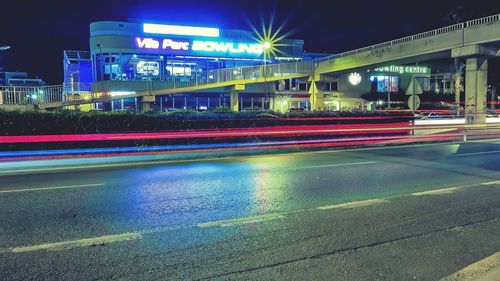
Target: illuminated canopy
pixel 180 30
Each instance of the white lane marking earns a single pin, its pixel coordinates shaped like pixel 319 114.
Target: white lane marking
pixel 491 182
pixel 479 153
pixel 438 191
pixel 66 245
pixel 241 221
pixel 51 188
pixel 355 204
pixel 334 165
pixel 485 269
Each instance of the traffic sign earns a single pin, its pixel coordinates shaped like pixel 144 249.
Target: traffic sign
pixel 412 103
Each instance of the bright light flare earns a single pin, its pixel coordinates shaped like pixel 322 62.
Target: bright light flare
pixel 270 38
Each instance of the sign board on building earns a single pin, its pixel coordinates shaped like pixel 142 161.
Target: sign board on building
pixel 413 69
pixel 198 46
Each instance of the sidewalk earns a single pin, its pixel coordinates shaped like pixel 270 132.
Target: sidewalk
pixel 487 269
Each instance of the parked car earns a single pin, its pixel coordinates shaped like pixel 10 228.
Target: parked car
pixel 296 109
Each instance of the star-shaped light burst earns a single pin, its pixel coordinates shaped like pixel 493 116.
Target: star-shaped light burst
pixel 270 39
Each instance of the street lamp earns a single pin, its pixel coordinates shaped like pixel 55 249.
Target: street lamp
pixel 267 45
pixel 101 66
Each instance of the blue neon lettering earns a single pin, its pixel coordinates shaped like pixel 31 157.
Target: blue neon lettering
pixel 224 47
pixel 148 43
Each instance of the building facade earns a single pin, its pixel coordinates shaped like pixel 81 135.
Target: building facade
pixel 123 56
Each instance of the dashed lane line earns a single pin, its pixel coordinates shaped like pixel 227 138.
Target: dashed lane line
pixel 356 204
pixel 491 182
pixel 334 165
pixel 66 245
pixel 479 153
pixel 437 191
pixel 241 221
pixel 50 188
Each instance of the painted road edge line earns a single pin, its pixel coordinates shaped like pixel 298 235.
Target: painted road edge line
pixel 481 270
pixel 356 204
pixel 241 221
pixel 66 245
pixel 51 188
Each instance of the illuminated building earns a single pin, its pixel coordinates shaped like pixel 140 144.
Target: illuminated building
pixel 123 55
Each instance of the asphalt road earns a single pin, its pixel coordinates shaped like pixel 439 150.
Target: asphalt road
pixel 398 213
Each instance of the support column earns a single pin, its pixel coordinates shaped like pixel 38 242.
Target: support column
pixel 458 66
pixel 234 101
pixel 147 103
pixel 317 95
pixel 476 79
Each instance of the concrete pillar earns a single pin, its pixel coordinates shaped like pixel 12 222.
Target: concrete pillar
pixel 146 106
pixel 317 95
pixel 458 66
pixel 476 79
pixel 147 103
pixel 234 101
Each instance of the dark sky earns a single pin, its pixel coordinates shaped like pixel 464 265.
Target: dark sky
pixel 39 31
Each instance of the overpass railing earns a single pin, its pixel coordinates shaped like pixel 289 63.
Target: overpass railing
pixel 214 78
pixel 447 29
pixel 20 95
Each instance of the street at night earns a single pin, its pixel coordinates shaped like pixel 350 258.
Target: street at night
pixel 417 212
pixel 250 140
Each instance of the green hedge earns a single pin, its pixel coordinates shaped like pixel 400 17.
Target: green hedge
pixel 73 122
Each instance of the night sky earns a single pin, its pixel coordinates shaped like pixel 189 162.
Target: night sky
pixel 39 31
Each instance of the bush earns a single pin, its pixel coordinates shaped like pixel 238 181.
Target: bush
pixel 73 122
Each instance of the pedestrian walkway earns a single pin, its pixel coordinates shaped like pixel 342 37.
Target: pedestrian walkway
pixel 487 269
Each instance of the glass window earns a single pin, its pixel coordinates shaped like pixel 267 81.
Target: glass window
pixel 385 84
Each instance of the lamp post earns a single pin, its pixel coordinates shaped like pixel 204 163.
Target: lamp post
pixel 101 66
pixel 266 46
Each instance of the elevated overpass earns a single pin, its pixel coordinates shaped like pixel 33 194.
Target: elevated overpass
pixel 473 40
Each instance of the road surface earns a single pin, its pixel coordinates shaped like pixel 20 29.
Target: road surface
pixel 418 212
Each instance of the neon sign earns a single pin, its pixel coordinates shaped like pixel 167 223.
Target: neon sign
pixel 404 69
pixel 236 48
pixel 180 30
pixel 225 47
pixel 150 43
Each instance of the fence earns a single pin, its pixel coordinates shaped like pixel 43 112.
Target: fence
pixel 41 94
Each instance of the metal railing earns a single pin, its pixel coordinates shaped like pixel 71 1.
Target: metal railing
pixel 427 34
pixel 30 94
pixel 21 95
